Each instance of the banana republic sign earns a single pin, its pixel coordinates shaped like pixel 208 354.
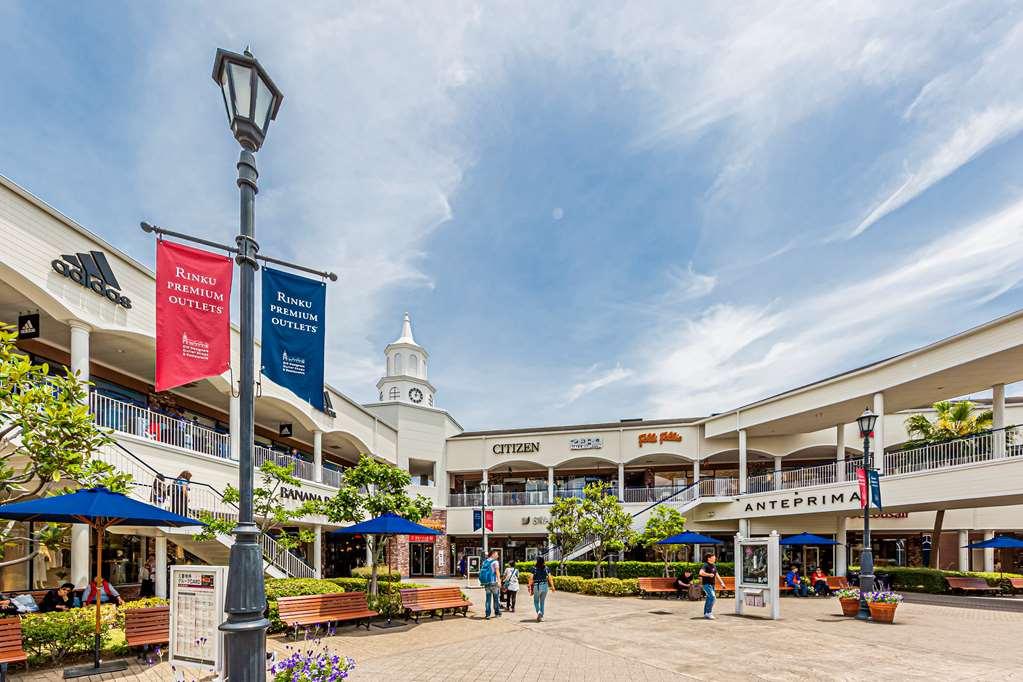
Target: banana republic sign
pixel 809 501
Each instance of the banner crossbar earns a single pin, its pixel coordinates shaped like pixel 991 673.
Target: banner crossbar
pixel 146 227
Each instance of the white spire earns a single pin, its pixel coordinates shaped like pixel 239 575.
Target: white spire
pixel 406 332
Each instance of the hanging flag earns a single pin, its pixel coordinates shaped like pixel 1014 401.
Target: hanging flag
pixel 193 314
pixel 490 519
pixel 477 519
pixel 875 487
pixel 861 478
pixel 292 341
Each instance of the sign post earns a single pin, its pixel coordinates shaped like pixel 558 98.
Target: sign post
pixel 757 574
pixel 197 609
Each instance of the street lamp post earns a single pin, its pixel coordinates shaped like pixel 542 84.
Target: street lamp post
pixel 252 101
pixel 866 423
pixel 484 486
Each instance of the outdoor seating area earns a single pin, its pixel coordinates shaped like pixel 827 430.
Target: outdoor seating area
pixel 147 627
pixel 417 601
pixel 11 648
pixel 967 585
pixel 318 609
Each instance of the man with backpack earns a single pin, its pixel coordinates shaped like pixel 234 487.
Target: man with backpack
pixel 489 575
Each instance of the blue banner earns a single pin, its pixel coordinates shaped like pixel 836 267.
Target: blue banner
pixel 293 333
pixel 875 487
pixel 477 519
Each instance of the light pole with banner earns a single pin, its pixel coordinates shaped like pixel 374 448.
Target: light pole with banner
pixel 251 100
pixel 866 423
pixel 758 574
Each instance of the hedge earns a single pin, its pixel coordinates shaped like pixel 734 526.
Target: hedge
pixel 383 573
pixel 604 587
pixel 931 580
pixel 293 587
pixel 627 569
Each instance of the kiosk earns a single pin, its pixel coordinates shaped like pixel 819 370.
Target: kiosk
pixel 757 575
pixel 197 610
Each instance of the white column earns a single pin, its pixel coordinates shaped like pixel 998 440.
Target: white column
pixel 989 554
pixel 161 566
pixel 841 557
pixel 998 418
pixel 696 470
pixel 840 452
pixel 80 542
pixel 550 485
pixel 80 348
pixel 621 481
pixel 742 461
pixel 235 426
pixel 878 443
pixel 317 456
pixel 318 551
pixel 964 554
pixel 744 528
pixel 777 473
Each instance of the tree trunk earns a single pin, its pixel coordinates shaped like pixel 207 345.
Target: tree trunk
pixel 373 568
pixel 939 519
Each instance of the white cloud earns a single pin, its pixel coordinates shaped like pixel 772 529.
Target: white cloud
pixel 690 284
pixel 580 389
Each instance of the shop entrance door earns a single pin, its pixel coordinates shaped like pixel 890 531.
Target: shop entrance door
pixel 421 559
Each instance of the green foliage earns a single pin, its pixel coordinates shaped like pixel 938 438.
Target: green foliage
pixel 627 569
pixel 366 572
pixel 293 587
pixel 369 489
pixel 605 521
pixel 953 420
pixel 567 583
pixel 272 514
pixel 51 637
pixel 565 526
pixel 931 580
pixel 144 603
pixel 360 585
pixel 664 522
pixel 603 587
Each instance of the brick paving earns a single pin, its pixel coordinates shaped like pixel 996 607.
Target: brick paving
pixel 586 637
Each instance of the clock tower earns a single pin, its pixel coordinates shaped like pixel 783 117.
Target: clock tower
pixel 406 377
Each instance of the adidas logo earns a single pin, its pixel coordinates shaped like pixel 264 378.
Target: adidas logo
pixel 27 330
pixel 92 271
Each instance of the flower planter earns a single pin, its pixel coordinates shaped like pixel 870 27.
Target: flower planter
pixel 881 612
pixel 850 607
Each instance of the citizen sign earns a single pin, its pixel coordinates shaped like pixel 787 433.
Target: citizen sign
pixel 514 448
pixel 800 501
pixel 92 271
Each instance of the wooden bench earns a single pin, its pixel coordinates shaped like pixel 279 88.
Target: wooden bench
pixel 1016 584
pixel 11 650
pixel 143 627
pixel 969 585
pixel 656 586
pixel 315 609
pixel 416 601
pixel 837 582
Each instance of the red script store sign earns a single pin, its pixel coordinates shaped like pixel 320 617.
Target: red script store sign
pixel 193 314
pixel 665 436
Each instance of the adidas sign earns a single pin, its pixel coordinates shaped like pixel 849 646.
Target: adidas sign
pixel 92 271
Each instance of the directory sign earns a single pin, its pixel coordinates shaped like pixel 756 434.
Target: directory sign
pixel 197 610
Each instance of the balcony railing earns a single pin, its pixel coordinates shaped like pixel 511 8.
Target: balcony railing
pixel 652 494
pixel 517 499
pixel 144 423
pixel 300 467
pixel 1007 442
pixel 331 477
pixel 803 477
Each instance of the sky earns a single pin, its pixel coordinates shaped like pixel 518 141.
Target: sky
pixel 591 210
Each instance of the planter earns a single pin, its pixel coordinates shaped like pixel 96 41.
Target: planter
pixel 882 613
pixel 850 607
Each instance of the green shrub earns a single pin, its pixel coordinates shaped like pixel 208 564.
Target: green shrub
pixel 627 569
pixel 53 636
pixel 296 587
pixel 931 580
pixel 361 585
pixel 525 577
pixel 567 583
pixel 144 603
pixel 383 573
pixel 610 587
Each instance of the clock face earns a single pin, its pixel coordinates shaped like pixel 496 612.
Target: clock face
pixel 415 395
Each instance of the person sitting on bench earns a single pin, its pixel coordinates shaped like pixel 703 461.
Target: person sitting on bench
pixel 684 584
pixel 794 580
pixel 819 578
pixel 58 599
pixel 107 594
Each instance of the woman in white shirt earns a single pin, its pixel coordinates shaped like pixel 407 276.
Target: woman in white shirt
pixel 510 583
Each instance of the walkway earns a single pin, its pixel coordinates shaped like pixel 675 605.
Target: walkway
pixel 587 638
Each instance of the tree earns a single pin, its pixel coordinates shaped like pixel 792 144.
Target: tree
pixel 565 526
pixel 47 438
pixel 664 522
pixel 953 420
pixel 369 489
pixel 269 510
pixel 605 523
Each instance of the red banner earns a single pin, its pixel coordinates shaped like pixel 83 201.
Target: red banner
pixel 489 519
pixel 861 478
pixel 193 314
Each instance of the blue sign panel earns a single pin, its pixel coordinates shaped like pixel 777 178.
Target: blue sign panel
pixel 293 333
pixel 477 519
pixel 875 488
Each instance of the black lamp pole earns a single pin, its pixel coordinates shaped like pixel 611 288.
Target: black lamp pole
pixel 866 423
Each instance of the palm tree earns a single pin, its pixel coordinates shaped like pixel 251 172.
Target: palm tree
pixel 954 420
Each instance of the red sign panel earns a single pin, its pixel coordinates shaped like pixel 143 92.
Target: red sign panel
pixel 861 478
pixel 489 519
pixel 193 314
pixel 422 538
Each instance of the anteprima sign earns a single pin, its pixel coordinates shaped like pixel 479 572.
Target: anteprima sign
pixel 803 501
pixel 515 448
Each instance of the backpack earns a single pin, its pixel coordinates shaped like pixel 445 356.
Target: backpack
pixel 486 574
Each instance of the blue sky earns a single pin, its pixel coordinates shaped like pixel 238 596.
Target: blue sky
pixel 592 211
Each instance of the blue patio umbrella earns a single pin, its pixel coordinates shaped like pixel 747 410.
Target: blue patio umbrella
pixel 100 508
pixel 689 538
pixel 1001 542
pixel 806 539
pixel 387 524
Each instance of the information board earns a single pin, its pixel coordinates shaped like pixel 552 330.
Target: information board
pixel 197 610
pixel 758 575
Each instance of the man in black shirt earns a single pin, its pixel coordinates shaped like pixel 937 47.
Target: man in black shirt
pixel 58 599
pixel 709 576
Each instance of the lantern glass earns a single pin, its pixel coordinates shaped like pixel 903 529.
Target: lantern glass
pixel 866 422
pixel 241 79
pixel 264 98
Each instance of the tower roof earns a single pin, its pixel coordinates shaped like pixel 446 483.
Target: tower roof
pixel 406 332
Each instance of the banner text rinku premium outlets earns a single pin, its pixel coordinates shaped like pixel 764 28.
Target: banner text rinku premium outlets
pixel 193 314
pixel 293 333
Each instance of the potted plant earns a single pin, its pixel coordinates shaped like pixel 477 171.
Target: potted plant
pixel 311 664
pixel 849 598
pixel 882 605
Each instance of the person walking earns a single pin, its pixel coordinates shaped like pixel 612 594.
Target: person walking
pixel 511 585
pixel 540 582
pixel 490 578
pixel 709 577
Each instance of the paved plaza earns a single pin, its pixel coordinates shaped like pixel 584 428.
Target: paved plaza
pixel 588 637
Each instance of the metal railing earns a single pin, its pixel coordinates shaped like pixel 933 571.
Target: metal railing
pixel 331 477
pixel 161 428
pixel 652 494
pixel 517 499
pixel 803 477
pixel 301 468
pixel 283 559
pixel 995 444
